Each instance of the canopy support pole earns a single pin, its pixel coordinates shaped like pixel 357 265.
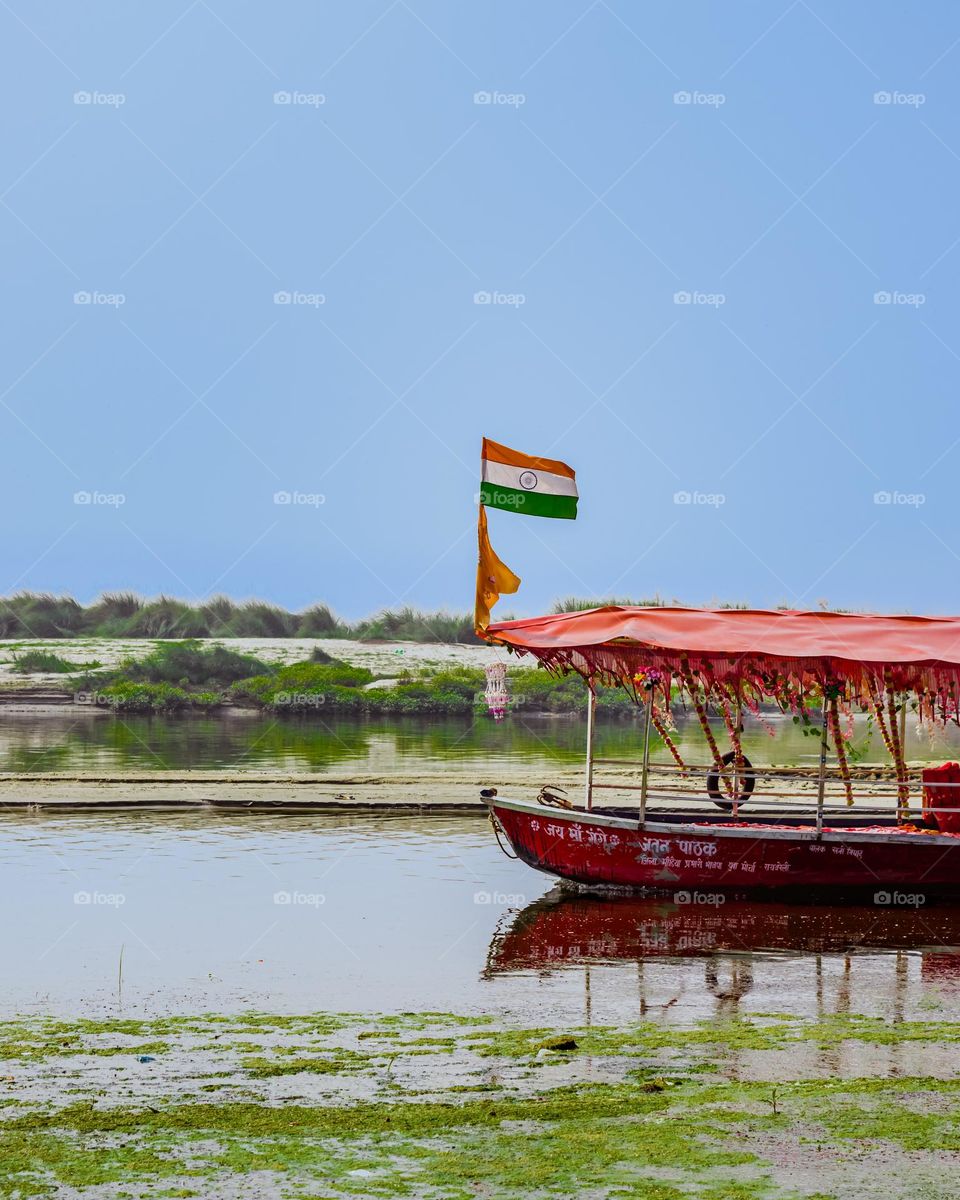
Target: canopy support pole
pixel 591 712
pixel 645 772
pixel 822 776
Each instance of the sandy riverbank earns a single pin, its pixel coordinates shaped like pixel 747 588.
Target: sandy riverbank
pixel 382 658
pixel 436 792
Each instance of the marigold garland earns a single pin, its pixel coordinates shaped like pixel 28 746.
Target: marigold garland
pixel 903 787
pixel 882 726
pixel 665 737
pixel 700 709
pixel 839 743
pixel 733 729
pixel 649 680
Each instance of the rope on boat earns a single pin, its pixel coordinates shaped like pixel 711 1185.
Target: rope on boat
pixel 495 824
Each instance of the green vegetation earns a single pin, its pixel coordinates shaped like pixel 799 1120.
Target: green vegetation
pixel 29 615
pixel 409 625
pixel 303 676
pixel 172 677
pixel 318 621
pixel 339 688
pixel 582 603
pixel 535 690
pixel 180 675
pixel 674 1112
pixel 454 691
pixel 131 697
pixel 125 615
pixel 42 662
pixel 189 663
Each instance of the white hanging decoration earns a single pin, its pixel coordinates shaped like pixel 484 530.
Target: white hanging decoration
pixel 495 693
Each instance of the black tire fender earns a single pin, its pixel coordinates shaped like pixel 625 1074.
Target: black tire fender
pixel 715 791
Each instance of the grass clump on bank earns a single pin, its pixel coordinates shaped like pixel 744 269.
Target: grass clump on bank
pixel 126 696
pixel 340 688
pixel 173 677
pixel 32 615
pixel 189 663
pixel 410 625
pixel 43 662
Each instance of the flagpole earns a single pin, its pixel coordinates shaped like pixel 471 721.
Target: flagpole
pixel 645 775
pixel 478 624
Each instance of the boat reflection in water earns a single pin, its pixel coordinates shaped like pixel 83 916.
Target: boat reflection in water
pixel 725 941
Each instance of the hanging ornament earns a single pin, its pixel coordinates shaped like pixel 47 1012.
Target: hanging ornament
pixel 495 692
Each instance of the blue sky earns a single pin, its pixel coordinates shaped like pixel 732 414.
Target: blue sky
pixel 777 165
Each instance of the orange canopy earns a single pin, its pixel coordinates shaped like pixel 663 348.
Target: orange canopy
pixel 728 645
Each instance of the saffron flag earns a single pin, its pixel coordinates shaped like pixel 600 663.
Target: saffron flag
pixel 494 578
pixel 523 483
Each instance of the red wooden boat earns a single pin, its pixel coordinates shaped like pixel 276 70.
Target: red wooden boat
pixel 756 829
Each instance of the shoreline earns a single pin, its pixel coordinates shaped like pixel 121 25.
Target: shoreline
pixel 230 792
pixel 51 705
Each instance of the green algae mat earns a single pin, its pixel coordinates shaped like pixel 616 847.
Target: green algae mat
pixel 442 1106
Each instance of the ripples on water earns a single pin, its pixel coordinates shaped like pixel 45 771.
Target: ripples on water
pixel 296 913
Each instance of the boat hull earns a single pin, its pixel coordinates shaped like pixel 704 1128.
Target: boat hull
pixel 707 858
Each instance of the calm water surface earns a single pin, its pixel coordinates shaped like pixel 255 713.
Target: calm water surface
pixel 84 741
pixel 298 913
pixel 294 913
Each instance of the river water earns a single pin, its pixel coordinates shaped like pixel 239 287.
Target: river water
pixel 218 913
pixel 155 912
pixel 85 741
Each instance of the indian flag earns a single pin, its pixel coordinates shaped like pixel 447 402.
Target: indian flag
pixel 535 487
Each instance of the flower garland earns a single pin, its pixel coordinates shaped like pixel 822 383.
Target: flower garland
pixel 733 729
pixel 657 721
pixel 753 705
pixel 831 696
pixel 700 709
pixel 903 787
pixel 725 683
pixel 649 680
pixel 882 726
